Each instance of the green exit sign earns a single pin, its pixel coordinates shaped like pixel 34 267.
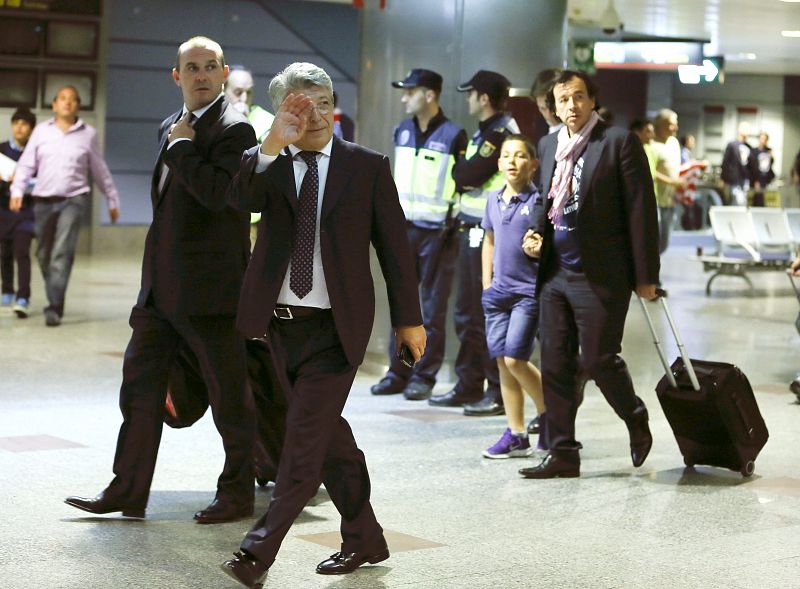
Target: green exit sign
pixel 711 72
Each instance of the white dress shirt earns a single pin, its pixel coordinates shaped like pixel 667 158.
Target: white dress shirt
pixel 318 297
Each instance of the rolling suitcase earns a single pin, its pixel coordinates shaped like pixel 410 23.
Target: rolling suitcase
pixel 710 407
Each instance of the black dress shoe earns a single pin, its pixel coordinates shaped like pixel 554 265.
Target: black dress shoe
pixel 219 512
pixel 794 386
pixel 341 563
pixel 417 390
pixel 641 439
pixel 535 426
pixel 246 569
pixel 105 503
pixel 453 398
pixel 484 408
pixel 387 386
pixel 555 465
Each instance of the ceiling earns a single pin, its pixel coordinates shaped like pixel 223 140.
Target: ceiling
pixel 735 28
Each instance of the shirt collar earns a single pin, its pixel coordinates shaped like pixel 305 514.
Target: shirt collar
pixel 483 125
pixel 437 120
pixel 78 124
pixel 294 150
pixel 523 196
pixel 14 145
pixel 201 111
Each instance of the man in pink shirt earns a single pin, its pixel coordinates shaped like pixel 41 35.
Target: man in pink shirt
pixel 60 154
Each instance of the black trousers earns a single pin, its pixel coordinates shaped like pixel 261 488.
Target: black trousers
pixel 17 248
pixel 319 445
pixel 572 315
pixel 435 257
pixel 473 363
pixel 220 353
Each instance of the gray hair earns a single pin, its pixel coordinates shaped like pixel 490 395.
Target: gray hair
pixel 665 114
pixel 298 76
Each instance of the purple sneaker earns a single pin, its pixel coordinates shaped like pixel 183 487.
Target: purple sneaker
pixel 509 446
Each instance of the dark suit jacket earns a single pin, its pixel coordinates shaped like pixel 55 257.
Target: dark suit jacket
pixel 197 247
pixel 360 206
pixel 617 218
pixel 733 172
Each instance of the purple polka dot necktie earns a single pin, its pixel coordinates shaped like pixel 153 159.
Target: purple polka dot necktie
pixel 301 279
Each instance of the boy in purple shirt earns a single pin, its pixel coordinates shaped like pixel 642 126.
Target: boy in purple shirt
pixel 509 282
pixel 61 153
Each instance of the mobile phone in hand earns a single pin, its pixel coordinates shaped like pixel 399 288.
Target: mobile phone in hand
pixel 405 355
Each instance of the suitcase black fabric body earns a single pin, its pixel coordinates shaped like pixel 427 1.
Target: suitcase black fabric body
pixel 719 425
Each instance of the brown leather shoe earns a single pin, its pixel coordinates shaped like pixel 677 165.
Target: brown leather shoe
pixel 220 511
pixel 340 563
pixel 246 569
pixel 105 503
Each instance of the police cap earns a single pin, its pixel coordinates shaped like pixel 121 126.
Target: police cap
pixel 420 77
pixel 487 82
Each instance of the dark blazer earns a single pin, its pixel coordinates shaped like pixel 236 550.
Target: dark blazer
pixel 733 172
pixel 197 247
pixel 617 218
pixel 360 206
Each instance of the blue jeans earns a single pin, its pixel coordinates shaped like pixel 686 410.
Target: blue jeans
pixel 665 215
pixel 57 221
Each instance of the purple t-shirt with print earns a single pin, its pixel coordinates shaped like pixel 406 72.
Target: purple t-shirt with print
pixel 514 272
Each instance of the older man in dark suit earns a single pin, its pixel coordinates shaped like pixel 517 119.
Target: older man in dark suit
pixel 596 231
pixel 195 257
pixel 309 292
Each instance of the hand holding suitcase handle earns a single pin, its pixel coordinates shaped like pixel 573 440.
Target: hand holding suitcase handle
pixel 662 296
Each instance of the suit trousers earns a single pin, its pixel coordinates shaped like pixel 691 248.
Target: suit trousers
pixel 435 259
pixel 572 315
pixel 473 364
pixel 319 445
pixel 57 223
pixel 220 353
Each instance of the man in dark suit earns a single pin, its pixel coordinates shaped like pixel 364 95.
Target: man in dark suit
pixel 309 292
pixel 596 233
pixel 735 171
pixel 195 257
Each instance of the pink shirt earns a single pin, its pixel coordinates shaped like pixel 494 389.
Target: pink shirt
pixel 61 163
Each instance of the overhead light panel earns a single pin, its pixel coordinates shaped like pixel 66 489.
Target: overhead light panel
pixel 793 34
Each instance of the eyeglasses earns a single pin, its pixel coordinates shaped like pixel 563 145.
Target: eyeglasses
pixel 324 109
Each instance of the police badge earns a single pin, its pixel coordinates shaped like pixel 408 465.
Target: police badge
pixel 487 149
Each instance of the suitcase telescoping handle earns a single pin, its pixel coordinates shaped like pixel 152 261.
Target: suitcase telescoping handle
pixel 794 285
pixel 662 297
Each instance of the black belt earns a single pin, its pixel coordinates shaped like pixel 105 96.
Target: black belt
pixel 287 312
pixel 51 199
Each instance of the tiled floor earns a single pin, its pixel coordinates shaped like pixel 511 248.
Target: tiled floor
pixel 453 519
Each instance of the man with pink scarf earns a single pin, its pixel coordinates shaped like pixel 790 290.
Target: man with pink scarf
pixel 596 234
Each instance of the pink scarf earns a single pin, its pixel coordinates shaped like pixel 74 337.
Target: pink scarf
pixel 568 150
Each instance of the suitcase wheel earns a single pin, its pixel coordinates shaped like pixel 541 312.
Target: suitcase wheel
pixel 748 469
pixel 688 463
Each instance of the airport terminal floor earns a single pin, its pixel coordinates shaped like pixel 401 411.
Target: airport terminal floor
pixel 453 520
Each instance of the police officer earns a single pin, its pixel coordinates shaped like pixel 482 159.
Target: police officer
pixel 427 146
pixel 476 176
pixel 239 93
